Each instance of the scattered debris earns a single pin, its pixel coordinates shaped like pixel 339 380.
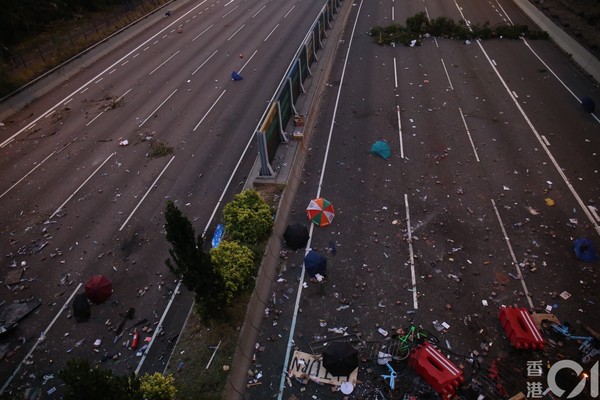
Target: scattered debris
pixel 565 295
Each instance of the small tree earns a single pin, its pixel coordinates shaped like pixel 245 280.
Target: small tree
pixel 86 382
pixel 158 386
pixel 236 266
pixel 191 263
pixel 248 219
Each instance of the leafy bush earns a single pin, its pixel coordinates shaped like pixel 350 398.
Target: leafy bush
pixel 236 265
pixel 83 381
pixel 158 386
pixel 248 219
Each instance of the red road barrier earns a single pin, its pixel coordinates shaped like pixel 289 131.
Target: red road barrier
pixel 431 365
pixel 520 328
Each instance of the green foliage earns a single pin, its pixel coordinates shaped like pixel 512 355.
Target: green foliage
pixel 86 382
pixel 248 219
pixel 24 18
pixel 236 265
pixel 158 386
pixel 159 149
pixel 418 25
pixel 191 263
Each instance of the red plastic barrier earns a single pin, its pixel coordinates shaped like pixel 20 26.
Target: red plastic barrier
pixel 431 365
pixel 520 328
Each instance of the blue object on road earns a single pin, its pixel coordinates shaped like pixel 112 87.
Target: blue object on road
pixel 381 148
pixel 235 76
pixel 217 236
pixel 315 263
pixel 585 250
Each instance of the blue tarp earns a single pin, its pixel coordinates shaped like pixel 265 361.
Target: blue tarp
pixel 217 236
pixel 235 76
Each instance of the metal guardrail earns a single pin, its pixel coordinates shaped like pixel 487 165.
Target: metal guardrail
pixel 270 131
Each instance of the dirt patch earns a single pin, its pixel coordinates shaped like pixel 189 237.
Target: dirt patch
pixel 270 193
pixel 191 363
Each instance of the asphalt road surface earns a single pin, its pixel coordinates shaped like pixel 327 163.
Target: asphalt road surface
pixel 494 172
pixel 80 195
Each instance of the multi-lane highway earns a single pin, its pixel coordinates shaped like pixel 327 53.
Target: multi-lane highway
pixel 494 171
pixel 81 194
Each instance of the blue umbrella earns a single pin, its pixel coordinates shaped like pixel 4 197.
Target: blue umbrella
pixel 381 148
pixel 315 263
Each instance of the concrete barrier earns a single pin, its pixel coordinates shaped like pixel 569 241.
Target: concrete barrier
pixel 586 60
pixel 237 380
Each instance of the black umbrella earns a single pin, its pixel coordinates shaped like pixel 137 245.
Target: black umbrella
pixel 296 236
pixel 81 308
pixel 340 358
pixel 315 263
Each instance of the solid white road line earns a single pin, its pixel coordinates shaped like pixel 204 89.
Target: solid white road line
pixel 395 74
pixel 512 255
pixel 323 169
pixel 159 327
pixel 270 33
pixel 258 12
pixel 288 13
pixel 156 109
pixel 37 166
pixel 468 134
pixel 164 62
pixel 106 109
pixel 37 342
pixel 146 194
pixel 400 131
pixel 229 12
pixel 411 254
pixel 545 140
pixel 447 75
pixel 249 58
pixel 80 186
pixel 209 110
pixel 202 33
pixel 27 174
pixel 594 212
pixel 201 65
pixel 236 32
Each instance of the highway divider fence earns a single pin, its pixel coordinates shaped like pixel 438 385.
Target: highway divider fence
pixel 270 131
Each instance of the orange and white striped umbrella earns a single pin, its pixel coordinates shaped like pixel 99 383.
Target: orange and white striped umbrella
pixel 320 212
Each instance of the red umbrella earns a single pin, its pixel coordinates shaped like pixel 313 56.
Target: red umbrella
pixel 98 289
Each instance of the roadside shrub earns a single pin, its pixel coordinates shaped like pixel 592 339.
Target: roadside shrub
pixel 158 386
pixel 235 263
pixel 248 218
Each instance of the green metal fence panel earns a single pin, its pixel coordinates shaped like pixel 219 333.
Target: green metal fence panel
pixel 304 72
pixel 285 105
pixel 273 139
pixel 296 83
